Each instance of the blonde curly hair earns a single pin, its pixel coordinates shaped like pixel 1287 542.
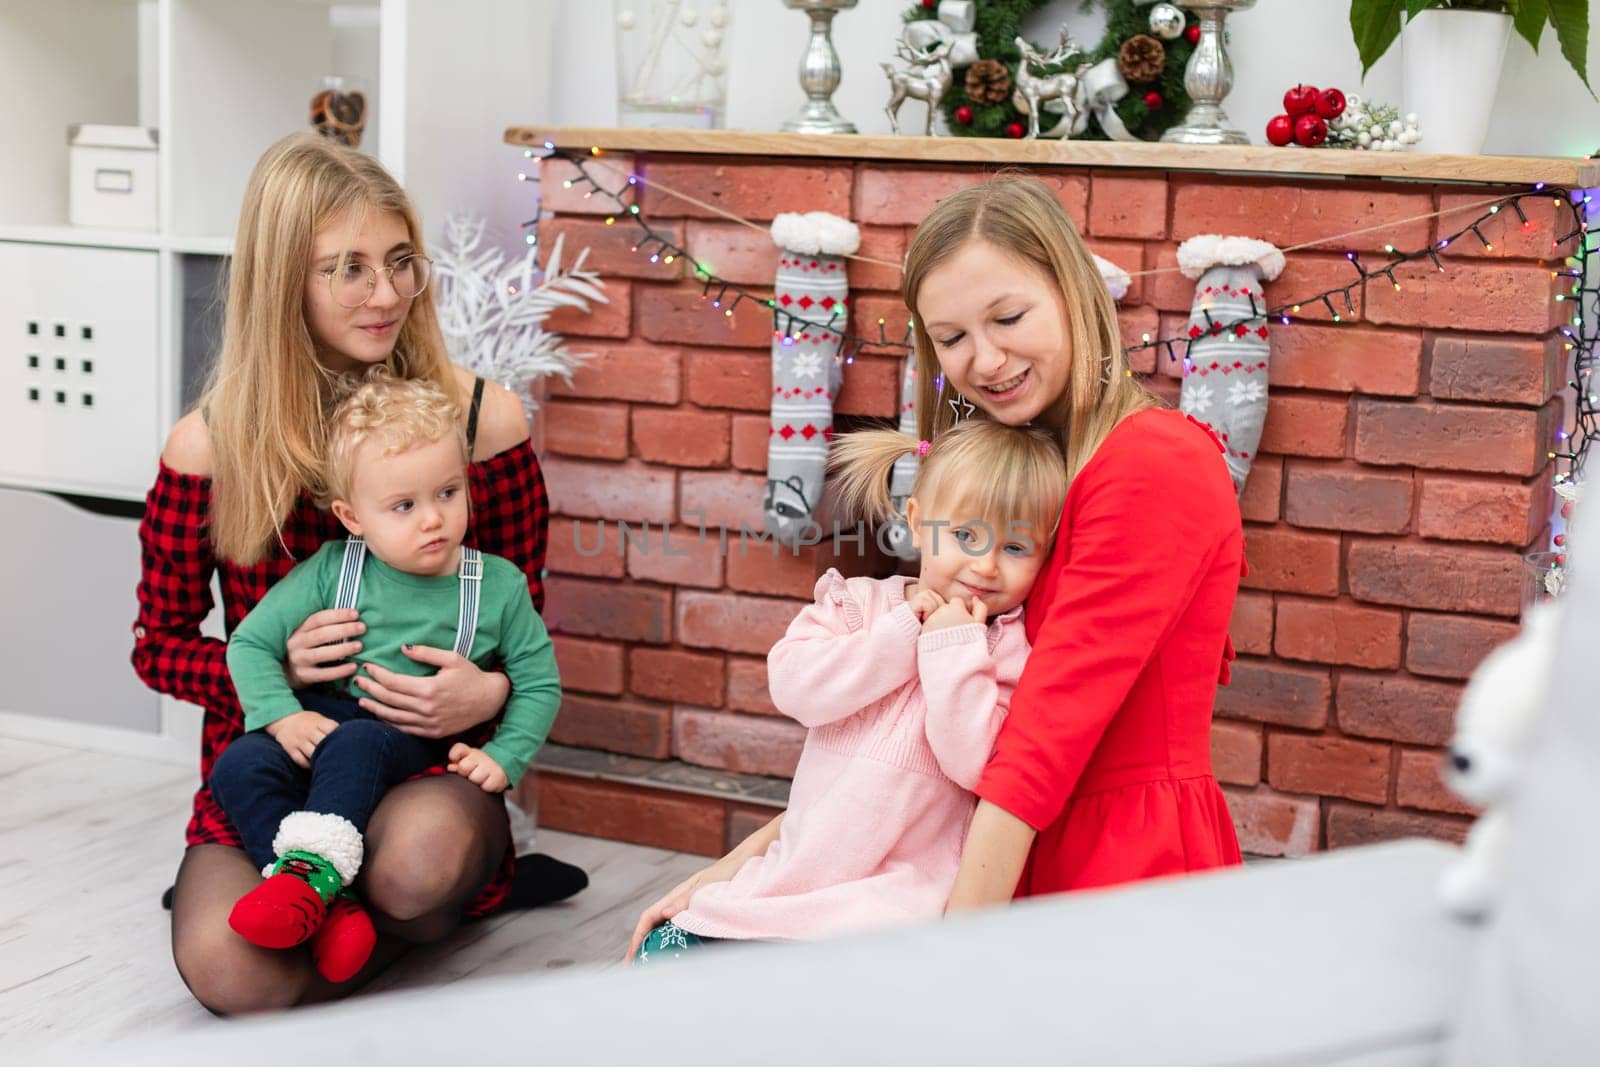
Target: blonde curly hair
pixel 397 414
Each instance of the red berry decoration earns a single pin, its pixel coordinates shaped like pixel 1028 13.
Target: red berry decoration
pixel 930 4
pixel 1192 34
pixel 1014 130
pixel 1310 130
pixel 1280 130
pixel 1153 100
pixel 1301 100
pixel 1330 104
pixel 964 115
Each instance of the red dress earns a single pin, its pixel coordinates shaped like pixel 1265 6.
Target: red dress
pixel 1106 750
pixel 510 517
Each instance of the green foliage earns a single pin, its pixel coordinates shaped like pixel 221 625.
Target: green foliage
pixel 1376 23
pixel 1571 21
pixel 1123 20
pixel 999 22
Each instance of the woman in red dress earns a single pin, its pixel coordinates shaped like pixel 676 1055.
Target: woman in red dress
pixel 327 277
pixel 1102 771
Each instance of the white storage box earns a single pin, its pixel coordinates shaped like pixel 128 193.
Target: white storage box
pixel 80 375
pixel 113 177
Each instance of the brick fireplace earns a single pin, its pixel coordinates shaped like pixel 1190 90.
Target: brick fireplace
pixel 1403 468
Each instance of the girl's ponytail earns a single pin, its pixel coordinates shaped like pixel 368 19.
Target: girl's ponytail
pixel 859 467
pixel 1003 475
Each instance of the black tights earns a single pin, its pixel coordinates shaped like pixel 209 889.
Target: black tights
pixel 431 845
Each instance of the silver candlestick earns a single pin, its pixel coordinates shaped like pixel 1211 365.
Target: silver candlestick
pixel 820 71
pixel 1208 77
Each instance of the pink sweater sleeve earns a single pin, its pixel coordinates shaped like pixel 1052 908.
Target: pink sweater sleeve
pixel 968 691
pixel 833 661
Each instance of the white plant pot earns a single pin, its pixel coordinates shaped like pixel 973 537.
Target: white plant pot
pixel 1451 70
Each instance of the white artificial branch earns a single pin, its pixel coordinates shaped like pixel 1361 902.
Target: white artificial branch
pixel 492 311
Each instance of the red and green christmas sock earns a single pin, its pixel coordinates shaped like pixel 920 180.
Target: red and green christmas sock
pixel 319 854
pixel 344 942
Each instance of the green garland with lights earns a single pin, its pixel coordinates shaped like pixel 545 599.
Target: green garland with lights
pixel 999 22
pixel 1123 20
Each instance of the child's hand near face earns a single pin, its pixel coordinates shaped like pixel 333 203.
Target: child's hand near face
pixel 956 613
pixel 300 734
pixel 924 603
pixel 478 767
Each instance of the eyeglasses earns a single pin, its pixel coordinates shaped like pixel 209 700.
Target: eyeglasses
pixel 353 284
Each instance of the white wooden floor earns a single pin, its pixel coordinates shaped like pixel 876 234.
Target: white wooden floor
pixel 88 842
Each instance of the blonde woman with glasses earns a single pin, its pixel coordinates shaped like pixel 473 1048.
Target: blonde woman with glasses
pixel 329 278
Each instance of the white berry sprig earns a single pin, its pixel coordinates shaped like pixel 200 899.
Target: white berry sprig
pixel 1373 127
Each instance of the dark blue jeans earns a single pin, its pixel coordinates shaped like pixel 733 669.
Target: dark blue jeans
pixel 257 783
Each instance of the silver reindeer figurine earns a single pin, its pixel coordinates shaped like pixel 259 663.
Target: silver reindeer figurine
pixel 1033 91
pixel 927 81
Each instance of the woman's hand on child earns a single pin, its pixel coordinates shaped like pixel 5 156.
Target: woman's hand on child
pixel 300 734
pixel 457 697
pixel 925 603
pixel 956 613
pixel 326 637
pixel 478 767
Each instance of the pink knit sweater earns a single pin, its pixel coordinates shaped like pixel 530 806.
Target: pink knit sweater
pixel 901 725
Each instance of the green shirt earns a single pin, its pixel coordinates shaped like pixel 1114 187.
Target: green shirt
pixel 400 608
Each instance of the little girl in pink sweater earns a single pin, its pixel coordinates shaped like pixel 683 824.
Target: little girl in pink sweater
pixel 903 685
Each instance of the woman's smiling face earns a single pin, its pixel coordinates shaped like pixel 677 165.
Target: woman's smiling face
pixel 999 329
pixel 352 339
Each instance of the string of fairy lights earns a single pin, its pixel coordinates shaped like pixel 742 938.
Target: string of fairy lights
pixel 1579 333
pixel 721 293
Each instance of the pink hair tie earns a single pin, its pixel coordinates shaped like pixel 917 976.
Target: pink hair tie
pixel 922 448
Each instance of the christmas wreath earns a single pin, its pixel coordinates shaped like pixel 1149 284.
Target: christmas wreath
pixel 1136 40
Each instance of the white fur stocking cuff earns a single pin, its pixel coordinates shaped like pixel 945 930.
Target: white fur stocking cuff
pixel 1117 280
pixel 1199 254
pixel 333 837
pixel 816 233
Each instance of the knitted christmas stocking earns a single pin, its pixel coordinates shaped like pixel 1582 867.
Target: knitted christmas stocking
pixel 806 372
pixel 904 475
pixel 318 854
pixel 1225 369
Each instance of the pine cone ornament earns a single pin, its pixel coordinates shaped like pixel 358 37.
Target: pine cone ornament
pixel 1142 58
pixel 988 81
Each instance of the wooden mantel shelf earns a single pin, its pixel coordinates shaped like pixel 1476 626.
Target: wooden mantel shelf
pixel 1403 166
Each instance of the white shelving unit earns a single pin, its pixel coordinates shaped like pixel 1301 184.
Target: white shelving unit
pixel 220 80
pixel 129 319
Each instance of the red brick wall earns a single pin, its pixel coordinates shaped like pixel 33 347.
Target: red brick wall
pixel 1402 474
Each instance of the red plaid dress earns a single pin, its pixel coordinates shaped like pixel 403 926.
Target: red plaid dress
pixel 510 517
